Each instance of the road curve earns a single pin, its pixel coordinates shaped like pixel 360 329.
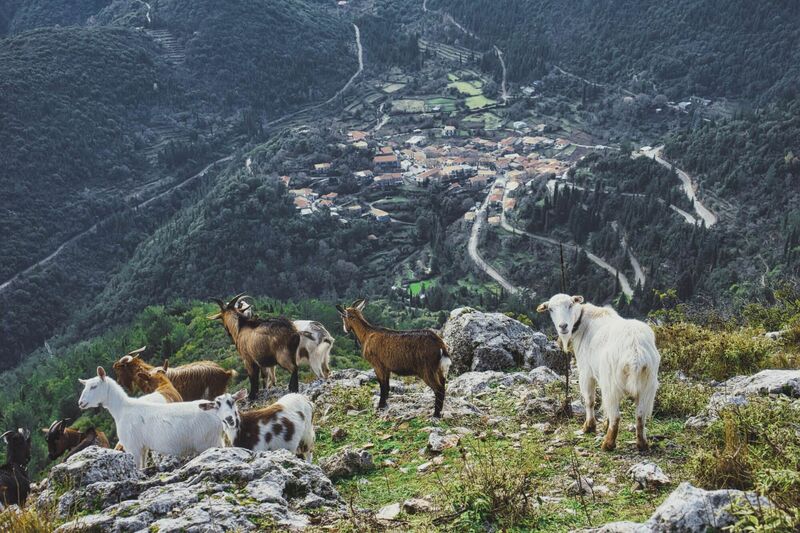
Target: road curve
pixel 94 226
pixel 689 187
pixel 472 248
pixel 599 261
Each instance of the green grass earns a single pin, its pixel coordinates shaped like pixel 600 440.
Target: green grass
pixel 478 102
pixel 447 104
pixel 469 88
pixel 419 286
pixel 393 87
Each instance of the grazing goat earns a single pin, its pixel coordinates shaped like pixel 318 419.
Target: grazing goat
pixel 201 380
pixel 284 425
pixel 61 439
pixel 157 386
pixel 618 354
pixel 418 352
pixel 14 482
pixel 314 349
pixel 261 343
pixel 171 428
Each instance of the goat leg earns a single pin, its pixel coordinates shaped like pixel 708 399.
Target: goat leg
pixel 383 381
pixel 294 382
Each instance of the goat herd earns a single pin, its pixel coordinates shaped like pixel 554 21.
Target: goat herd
pixel 186 410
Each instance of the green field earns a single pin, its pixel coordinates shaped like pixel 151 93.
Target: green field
pixel 419 286
pixel 479 102
pixel 469 88
pixel 393 87
pixel 490 120
pixel 447 104
pixel 409 106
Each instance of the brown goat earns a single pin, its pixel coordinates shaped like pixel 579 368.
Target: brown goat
pixel 416 352
pixel 261 343
pixel 155 381
pixel 62 439
pixel 201 380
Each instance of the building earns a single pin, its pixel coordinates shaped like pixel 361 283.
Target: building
pixel 380 215
pixel 494 220
pixel 391 179
pixel 356 135
pixel 301 203
pixel 428 176
pixel 416 140
pixel 449 131
pixel 477 182
pixel 386 163
pixel 322 168
pixel 469 216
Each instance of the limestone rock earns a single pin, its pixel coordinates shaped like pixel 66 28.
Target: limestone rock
pixel 648 475
pixel 347 462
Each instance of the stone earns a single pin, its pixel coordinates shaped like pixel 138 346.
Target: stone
pixel 338 434
pixel 736 390
pixel 417 505
pixel 389 512
pixel 424 467
pixel 219 490
pixel 481 341
pixel 474 383
pixel 437 442
pixel 93 465
pixel 583 485
pixel 347 462
pixel 648 475
pixel 690 510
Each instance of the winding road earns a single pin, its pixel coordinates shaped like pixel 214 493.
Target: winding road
pixel 599 261
pixel 60 249
pixel 472 248
pixel 689 187
pixel 503 86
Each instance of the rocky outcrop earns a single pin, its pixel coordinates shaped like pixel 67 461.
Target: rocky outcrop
pixel 481 341
pixel 736 390
pixel 689 510
pixel 222 489
pixel 347 462
pixel 475 383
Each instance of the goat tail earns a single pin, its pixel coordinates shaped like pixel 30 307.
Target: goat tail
pixel 233 373
pixel 444 361
pixel 642 385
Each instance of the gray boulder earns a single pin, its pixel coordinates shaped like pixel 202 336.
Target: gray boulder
pixel 473 383
pixel 736 390
pixel 222 489
pixel 689 510
pixel 481 341
pixel 648 475
pixel 94 465
pixel 347 462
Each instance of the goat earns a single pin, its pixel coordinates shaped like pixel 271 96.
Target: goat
pixel 617 353
pixel 14 482
pixel 261 343
pixel 314 349
pixel 61 439
pixel 201 380
pixel 157 386
pixel 284 425
pixel 418 352
pixel 170 428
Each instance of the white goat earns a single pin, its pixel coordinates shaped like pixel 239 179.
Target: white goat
pixel 314 349
pixel 616 353
pixel 169 428
pixel 284 425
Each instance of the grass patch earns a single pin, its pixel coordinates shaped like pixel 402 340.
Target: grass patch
pixel 408 106
pixel 478 102
pixel 419 286
pixel 468 88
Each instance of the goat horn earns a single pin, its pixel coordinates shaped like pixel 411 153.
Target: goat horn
pixel 6 434
pixel 235 299
pixel 126 359
pixel 53 425
pixel 219 302
pixel 138 350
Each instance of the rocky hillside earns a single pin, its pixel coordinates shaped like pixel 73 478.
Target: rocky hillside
pixel 505 455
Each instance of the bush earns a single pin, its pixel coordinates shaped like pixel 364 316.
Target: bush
pixel 679 399
pixel 702 352
pixel 755 447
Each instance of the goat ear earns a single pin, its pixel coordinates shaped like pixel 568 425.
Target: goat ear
pixel 543 308
pixel 577 299
pixel 206 406
pixel 215 316
pixel 101 373
pixel 26 433
pixel 359 304
pixel 82 381
pixel 165 366
pixel 241 395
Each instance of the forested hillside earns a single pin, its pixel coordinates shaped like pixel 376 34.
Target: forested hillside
pixel 753 162
pixel 678 48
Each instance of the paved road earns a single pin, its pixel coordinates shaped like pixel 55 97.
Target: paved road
pixel 689 187
pixel 94 227
pixel 599 261
pixel 503 86
pixel 200 174
pixel 472 248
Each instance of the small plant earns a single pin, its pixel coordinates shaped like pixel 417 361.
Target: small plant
pixel 676 399
pixel 29 519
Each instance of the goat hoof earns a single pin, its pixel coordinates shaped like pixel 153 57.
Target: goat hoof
pixel 589 427
pixel 608 445
pixel 643 446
